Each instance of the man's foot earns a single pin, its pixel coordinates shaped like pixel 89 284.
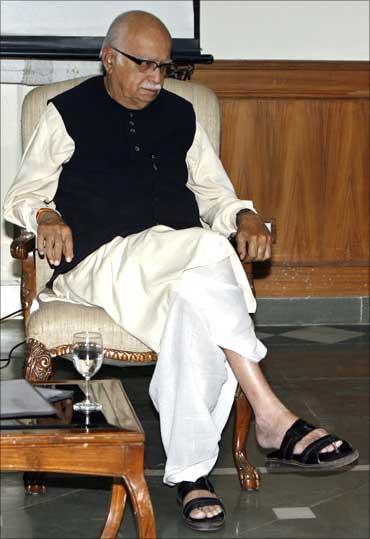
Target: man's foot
pixel 206 511
pixel 270 433
pixel 202 509
pixel 306 447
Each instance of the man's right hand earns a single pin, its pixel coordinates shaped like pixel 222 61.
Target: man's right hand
pixel 54 237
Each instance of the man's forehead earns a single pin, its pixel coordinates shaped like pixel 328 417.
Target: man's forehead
pixel 148 43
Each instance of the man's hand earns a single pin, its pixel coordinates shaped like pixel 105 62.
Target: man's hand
pixel 253 238
pixel 54 238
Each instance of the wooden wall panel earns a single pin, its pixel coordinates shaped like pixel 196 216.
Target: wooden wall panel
pixel 307 281
pixel 303 157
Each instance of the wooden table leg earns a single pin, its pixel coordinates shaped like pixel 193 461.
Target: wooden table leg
pixel 116 509
pixel 141 502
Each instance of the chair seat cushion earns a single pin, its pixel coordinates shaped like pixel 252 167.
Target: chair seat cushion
pixel 55 322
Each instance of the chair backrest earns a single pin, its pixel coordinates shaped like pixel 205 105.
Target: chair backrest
pixel 205 104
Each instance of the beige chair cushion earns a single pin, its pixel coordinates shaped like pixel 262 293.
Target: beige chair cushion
pixel 55 322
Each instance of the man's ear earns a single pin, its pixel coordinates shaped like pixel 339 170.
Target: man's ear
pixel 107 59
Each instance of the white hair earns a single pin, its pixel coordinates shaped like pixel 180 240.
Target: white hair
pixel 119 27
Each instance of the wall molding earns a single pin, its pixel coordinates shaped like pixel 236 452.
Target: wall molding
pixel 34 72
pixel 286 79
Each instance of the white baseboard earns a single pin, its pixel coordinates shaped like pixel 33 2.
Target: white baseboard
pixel 10 298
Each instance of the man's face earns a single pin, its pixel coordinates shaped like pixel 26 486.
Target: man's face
pixel 125 82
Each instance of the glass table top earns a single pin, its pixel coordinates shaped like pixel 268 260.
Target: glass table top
pixel 117 412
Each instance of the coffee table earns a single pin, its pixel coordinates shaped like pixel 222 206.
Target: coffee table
pixel 107 443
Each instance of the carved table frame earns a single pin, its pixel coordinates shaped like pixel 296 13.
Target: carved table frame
pixel 79 451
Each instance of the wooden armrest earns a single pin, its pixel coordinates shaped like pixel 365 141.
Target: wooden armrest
pixel 23 245
pixel 22 248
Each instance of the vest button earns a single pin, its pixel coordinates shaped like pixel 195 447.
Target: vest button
pixel 132 130
pixel 131 114
pixel 137 148
pixel 131 122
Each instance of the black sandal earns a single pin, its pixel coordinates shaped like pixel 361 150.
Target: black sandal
pixel 310 458
pixel 200 524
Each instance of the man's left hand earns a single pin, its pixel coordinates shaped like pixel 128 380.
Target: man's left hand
pixel 253 238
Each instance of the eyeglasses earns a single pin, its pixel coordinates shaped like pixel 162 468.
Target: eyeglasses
pixel 144 66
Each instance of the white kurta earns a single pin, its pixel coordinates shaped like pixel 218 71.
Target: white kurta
pixel 165 256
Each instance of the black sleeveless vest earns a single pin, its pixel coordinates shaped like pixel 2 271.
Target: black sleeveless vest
pixel 128 170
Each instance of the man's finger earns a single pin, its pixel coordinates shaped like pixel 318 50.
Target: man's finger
pixel 40 243
pixel 49 248
pixel 267 252
pixel 57 250
pixel 252 249
pixel 68 248
pixel 241 247
pixel 261 249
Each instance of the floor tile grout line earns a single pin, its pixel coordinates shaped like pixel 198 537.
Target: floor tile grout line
pixel 151 472
pixel 344 493
pixel 262 525
pixel 41 502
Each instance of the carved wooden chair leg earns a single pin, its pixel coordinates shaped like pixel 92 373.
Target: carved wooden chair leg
pixel 34 482
pixel 37 368
pixel 38 362
pixel 249 477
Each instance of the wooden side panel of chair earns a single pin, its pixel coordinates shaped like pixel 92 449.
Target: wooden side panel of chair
pixel 23 249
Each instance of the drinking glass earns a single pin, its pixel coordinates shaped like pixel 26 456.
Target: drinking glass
pixel 87 358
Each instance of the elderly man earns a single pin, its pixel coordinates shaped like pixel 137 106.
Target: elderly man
pixel 115 182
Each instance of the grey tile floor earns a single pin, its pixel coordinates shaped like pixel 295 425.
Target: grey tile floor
pixel 321 373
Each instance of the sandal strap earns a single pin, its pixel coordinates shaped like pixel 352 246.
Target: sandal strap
pixel 202 483
pixel 310 455
pixel 294 434
pixel 198 503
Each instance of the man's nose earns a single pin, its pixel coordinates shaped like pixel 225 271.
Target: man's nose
pixel 156 75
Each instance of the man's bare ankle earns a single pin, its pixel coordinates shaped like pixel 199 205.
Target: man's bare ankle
pixel 271 429
pixel 271 422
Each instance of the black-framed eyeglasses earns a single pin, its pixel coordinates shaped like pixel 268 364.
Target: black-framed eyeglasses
pixel 144 66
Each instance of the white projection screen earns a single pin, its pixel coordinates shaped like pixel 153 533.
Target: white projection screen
pixel 75 29
pixel 89 18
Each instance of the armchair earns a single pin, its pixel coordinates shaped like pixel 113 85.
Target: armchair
pixel 49 328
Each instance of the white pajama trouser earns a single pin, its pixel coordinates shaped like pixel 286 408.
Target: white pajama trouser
pixel 192 386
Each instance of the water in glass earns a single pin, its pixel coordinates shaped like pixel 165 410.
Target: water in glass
pixel 87 359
